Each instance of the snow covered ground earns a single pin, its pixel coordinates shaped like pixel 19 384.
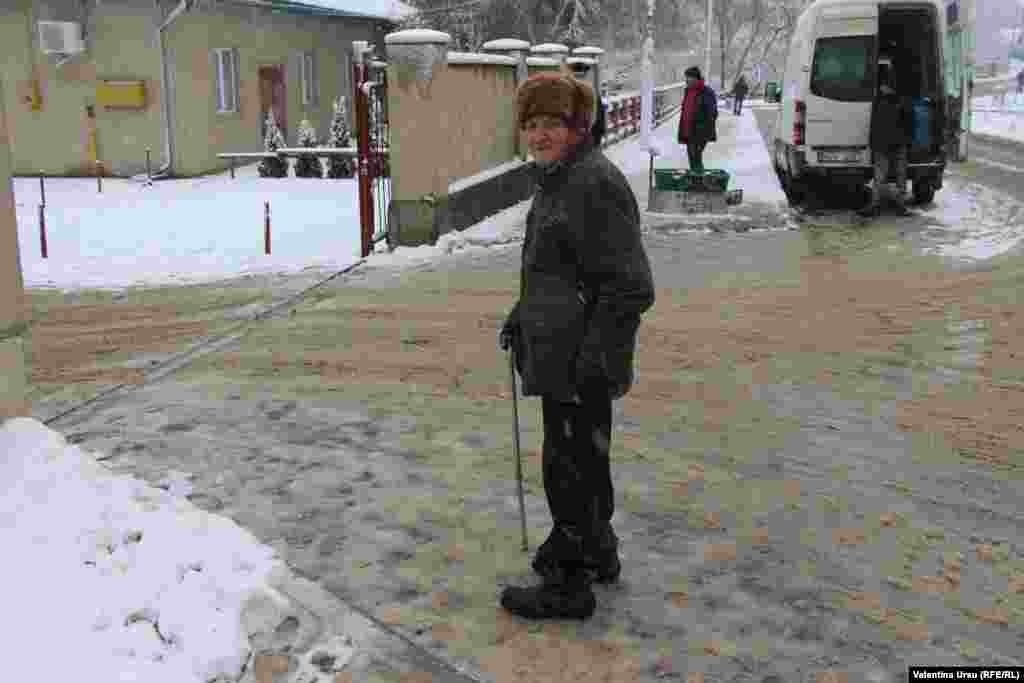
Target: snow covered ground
pixel 982 222
pixel 110 579
pixel 1000 116
pixel 183 231
pixel 204 229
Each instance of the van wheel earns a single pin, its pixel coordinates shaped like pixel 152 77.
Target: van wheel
pixel 924 191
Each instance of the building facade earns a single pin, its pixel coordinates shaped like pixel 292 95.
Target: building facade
pixel 89 80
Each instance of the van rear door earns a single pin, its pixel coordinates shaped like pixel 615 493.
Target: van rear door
pixel 841 86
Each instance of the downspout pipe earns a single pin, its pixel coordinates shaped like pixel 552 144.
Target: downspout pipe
pixel 165 87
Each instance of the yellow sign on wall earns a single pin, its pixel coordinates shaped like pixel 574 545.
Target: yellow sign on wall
pixel 121 94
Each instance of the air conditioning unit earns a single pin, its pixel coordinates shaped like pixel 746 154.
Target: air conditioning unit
pixel 60 37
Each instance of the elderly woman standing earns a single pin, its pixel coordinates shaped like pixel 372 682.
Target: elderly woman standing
pixel 584 284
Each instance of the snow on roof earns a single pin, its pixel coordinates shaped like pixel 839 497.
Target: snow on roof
pixel 549 48
pixel 480 58
pixel 414 36
pixel 392 10
pixel 593 50
pixel 581 60
pixel 541 61
pixel 512 44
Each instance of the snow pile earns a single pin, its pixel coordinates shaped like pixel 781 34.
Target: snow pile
pixel 504 228
pixel 113 580
pixel 984 222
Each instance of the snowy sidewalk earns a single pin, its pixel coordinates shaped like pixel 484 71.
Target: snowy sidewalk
pixel 133 583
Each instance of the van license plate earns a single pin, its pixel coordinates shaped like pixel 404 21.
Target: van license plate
pixel 844 157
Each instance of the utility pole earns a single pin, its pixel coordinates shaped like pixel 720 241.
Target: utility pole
pixel 707 48
pixel 969 10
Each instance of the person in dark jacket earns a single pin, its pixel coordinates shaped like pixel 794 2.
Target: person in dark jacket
pixel 582 70
pixel 891 128
pixel 739 92
pixel 697 118
pixel 585 282
pixel 1020 82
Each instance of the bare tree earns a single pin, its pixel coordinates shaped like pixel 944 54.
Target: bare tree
pixel 779 31
pixel 731 18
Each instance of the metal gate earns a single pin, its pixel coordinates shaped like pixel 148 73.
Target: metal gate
pixel 369 80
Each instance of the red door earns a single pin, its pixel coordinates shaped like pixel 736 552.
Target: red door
pixel 273 96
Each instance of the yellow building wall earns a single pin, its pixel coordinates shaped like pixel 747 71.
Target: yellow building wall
pixel 200 131
pixel 60 138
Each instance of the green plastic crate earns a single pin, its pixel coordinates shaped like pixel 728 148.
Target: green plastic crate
pixel 715 180
pixel 671 180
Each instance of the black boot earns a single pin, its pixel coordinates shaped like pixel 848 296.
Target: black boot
pixel 870 211
pixel 564 594
pixel 602 566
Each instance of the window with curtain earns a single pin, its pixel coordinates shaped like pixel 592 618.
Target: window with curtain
pixel 226 79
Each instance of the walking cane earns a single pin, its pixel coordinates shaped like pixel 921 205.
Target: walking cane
pixel 519 462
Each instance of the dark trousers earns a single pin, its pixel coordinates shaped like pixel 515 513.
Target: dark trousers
pixel 577 473
pixel 737 104
pixel 695 151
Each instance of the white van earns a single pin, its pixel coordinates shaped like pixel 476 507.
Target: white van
pixel 822 131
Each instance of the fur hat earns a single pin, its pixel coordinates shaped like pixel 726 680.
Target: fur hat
pixel 694 72
pixel 556 94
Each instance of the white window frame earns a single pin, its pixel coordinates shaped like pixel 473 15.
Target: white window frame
pixel 308 77
pixel 227 83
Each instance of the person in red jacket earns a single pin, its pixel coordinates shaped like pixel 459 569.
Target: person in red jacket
pixel 697 118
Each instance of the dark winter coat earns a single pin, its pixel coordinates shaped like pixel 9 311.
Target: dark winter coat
pixel 740 89
pixel 585 280
pixel 702 129
pixel 891 123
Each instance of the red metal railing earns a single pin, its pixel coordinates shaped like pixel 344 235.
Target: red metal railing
pixel 623 115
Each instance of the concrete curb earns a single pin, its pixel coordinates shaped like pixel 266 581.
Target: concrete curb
pixel 300 633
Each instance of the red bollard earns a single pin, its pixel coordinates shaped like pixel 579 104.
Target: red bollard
pixel 266 227
pixel 42 231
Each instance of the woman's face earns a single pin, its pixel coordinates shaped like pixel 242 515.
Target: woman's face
pixel 548 138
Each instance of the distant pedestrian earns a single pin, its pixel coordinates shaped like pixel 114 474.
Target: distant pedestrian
pixel 891 128
pixel 585 283
pixel 583 71
pixel 1020 82
pixel 739 93
pixel 698 118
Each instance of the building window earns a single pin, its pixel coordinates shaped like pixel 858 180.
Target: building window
pixel 310 83
pixel 226 79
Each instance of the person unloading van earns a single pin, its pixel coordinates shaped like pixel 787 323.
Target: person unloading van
pixel 890 136
pixel 698 117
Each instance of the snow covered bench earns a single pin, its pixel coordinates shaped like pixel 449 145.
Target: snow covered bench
pixel 243 155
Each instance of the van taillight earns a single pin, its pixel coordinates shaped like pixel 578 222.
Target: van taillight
pixel 799 123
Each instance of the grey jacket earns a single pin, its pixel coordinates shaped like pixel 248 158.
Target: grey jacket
pixel 585 280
